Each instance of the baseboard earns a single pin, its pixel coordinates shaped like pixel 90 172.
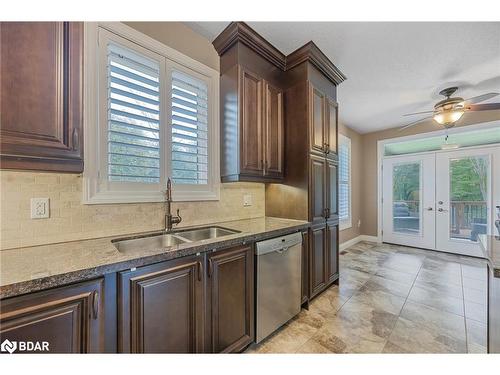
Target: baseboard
pixel 355 240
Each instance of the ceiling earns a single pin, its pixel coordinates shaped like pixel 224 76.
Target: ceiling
pixel 392 68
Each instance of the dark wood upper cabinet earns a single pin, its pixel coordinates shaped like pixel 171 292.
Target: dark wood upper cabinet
pixel 252 106
pixel 332 189
pixel 331 126
pixel 41 96
pixel 161 308
pixel 318 192
pixel 252 162
pixel 273 131
pixel 69 318
pixel 318 130
pixel 230 296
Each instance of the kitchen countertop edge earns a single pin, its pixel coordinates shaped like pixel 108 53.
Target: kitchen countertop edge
pixel 65 278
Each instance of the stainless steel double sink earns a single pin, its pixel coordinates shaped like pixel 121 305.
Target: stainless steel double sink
pixel 161 240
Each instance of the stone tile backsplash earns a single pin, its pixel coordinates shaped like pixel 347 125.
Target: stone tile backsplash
pixel 71 220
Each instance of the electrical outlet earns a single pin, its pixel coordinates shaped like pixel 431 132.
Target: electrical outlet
pixel 40 208
pixel 247 200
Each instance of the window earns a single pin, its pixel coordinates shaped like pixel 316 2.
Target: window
pixel 344 182
pixel 151 114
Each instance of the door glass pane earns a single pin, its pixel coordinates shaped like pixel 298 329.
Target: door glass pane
pixel 468 197
pixel 406 198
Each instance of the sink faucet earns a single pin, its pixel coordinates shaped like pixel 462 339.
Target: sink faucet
pixel 170 220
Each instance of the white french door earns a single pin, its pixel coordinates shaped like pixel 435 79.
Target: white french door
pixel 441 201
pixel 409 200
pixel 465 190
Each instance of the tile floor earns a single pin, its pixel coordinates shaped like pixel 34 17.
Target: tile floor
pixel 392 299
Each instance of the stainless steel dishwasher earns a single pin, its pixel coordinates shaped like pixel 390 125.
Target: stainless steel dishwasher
pixel 279 273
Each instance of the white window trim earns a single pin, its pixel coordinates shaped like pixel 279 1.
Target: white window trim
pixel 92 194
pixel 347 223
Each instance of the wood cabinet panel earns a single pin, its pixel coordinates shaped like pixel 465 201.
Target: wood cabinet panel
pixel 317 132
pixel 305 267
pixel 161 307
pixel 331 127
pixel 69 318
pixel 332 248
pixel 317 192
pixel 41 95
pixel 230 287
pixel 251 124
pixel 332 188
pixel 273 131
pixel 317 260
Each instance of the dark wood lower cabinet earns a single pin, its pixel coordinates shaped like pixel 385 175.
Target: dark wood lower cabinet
pixel 161 307
pixel 230 296
pixel 332 235
pixel 317 259
pixel 323 257
pixel 305 268
pixel 69 318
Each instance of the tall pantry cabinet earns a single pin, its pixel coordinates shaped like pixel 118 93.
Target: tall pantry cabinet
pixel 309 191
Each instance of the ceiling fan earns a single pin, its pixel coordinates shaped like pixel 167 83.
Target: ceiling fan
pixel 448 111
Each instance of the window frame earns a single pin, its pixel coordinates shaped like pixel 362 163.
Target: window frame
pixel 96 187
pixel 346 223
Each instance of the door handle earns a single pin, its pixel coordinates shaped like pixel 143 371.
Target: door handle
pixel 442 210
pixel 200 270
pixel 95 304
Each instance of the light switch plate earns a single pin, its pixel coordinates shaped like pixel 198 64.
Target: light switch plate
pixel 247 200
pixel 40 208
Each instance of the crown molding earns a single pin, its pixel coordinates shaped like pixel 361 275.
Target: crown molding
pixel 311 53
pixel 241 32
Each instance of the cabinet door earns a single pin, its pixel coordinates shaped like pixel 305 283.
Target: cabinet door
pixel 161 308
pixel 305 267
pixel 317 189
pixel 273 131
pixel 331 127
pixel 251 124
pixel 332 249
pixel 41 95
pixel 317 259
pixel 70 318
pixel 317 131
pixel 332 188
pixel 231 299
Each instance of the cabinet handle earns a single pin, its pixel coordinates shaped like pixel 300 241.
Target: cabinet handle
pixel 75 139
pixel 327 148
pixel 95 304
pixel 328 213
pixel 200 270
pixel 325 213
pixel 210 268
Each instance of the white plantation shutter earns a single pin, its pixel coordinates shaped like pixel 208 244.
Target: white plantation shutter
pixel 189 119
pixel 133 116
pixel 344 178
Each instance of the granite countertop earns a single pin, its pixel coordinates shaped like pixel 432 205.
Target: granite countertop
pixel 28 269
pixel 491 249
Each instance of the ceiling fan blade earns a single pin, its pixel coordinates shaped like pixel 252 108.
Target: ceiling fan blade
pixel 418 113
pixel 414 123
pixel 480 98
pixel 484 107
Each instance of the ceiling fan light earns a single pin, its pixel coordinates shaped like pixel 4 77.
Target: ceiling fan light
pixel 448 117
